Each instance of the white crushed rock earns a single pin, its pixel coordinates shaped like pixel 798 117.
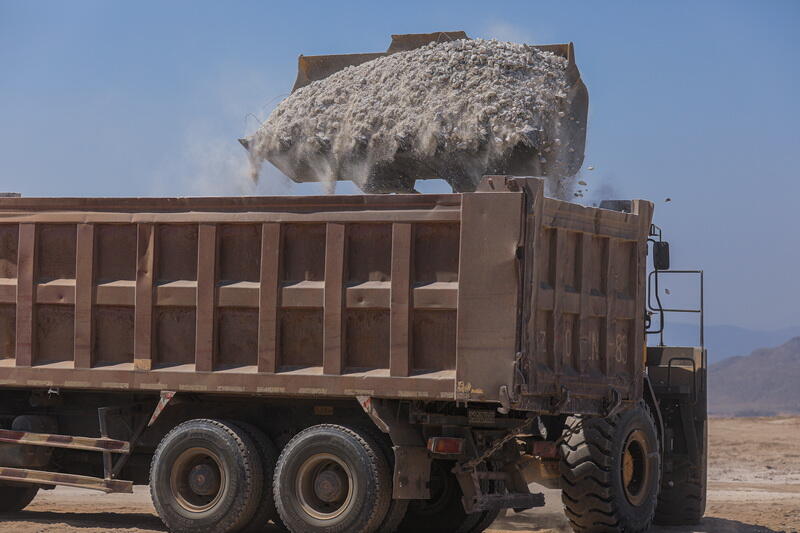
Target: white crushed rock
pixel 454 110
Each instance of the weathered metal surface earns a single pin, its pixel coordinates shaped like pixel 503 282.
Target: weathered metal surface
pixel 243 295
pixel 64 441
pixel 39 477
pixel 582 329
pixel 411 473
pixel 163 402
pixel 15 454
pixel 402 296
pixel 677 370
pixel 488 296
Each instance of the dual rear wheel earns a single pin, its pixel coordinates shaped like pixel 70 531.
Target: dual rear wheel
pixel 219 476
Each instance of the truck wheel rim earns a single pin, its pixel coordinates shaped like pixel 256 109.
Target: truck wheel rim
pixel 324 486
pixel 197 480
pixel 636 470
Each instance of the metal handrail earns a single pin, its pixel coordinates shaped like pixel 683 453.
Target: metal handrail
pixel 653 284
pixel 694 375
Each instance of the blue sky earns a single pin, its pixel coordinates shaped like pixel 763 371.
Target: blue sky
pixel 695 101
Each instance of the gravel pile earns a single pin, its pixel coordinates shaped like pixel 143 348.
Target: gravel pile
pixel 454 110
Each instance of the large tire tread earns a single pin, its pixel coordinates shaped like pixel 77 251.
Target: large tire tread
pixel 397 508
pixel 268 454
pixel 682 504
pixel 587 474
pixel 682 500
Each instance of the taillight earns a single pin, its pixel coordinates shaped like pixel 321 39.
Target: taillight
pixel 446 445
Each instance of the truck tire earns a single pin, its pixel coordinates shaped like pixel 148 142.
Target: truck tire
pixel 444 510
pixel 397 508
pixel 331 479
pixel 268 454
pixel 15 498
pixel 610 471
pixel 206 476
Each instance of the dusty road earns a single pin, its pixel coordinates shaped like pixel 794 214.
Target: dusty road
pixel 754 471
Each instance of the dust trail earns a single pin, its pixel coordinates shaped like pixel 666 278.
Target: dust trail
pixel 210 165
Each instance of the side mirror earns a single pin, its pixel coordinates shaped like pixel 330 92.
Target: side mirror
pixel 661 255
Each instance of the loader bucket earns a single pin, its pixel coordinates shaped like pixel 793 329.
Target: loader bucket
pixel 313 68
pixel 400 174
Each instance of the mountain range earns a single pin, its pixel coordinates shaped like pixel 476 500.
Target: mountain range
pixel 764 383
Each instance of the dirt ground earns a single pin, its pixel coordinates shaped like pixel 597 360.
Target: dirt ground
pixel 754 473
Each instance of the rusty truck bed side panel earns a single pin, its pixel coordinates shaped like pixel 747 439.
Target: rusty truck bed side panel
pixel 402 296
pixel 337 296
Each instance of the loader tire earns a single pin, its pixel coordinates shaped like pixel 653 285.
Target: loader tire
pixel 682 500
pixel 610 471
pixel 682 504
pixel 15 498
pixel 332 479
pixel 206 477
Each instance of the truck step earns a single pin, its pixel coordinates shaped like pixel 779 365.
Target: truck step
pixel 92 444
pixel 40 477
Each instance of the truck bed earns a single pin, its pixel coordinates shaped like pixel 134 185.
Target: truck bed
pixel 395 296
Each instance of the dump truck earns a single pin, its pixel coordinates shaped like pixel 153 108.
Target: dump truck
pixel 360 363
pixel 363 363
